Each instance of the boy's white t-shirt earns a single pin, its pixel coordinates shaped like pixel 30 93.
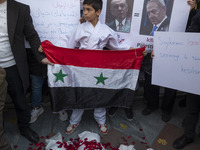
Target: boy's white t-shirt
pixel 86 36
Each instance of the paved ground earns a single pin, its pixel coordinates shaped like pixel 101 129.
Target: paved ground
pixel 49 123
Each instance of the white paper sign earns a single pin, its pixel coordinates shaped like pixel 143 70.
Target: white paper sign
pixel 54 19
pixel 177 61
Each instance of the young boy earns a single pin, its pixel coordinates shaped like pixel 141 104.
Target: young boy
pixel 93 35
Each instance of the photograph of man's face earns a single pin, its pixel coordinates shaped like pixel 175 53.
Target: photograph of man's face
pixel 156 12
pixel 119 9
pixel 156 16
pixel 119 15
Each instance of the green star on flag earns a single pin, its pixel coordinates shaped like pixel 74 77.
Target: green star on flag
pixel 101 79
pixel 60 76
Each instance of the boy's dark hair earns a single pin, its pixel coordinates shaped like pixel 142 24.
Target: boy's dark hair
pixel 96 4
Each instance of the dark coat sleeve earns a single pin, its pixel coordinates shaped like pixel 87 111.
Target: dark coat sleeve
pixel 31 35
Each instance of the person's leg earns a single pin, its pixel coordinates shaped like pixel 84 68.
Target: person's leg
pixel 191 119
pixel 192 116
pixel 151 94
pixel 3 91
pixel 74 120
pixel 129 111
pixel 168 103
pixel 100 117
pixel 36 89
pixel 76 116
pixel 16 92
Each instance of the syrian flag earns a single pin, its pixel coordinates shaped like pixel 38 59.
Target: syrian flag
pixel 84 79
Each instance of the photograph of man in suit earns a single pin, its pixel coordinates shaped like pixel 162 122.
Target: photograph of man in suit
pixel 118 15
pixel 157 16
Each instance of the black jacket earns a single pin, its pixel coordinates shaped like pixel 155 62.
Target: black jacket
pixel 195 24
pixel 20 27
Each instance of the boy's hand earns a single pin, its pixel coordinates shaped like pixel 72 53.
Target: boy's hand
pixel 40 49
pixel 46 62
pixel 152 54
pixel 144 53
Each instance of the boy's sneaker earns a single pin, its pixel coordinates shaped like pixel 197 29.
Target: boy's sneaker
pixel 129 114
pixel 35 113
pixel 103 129
pixel 63 116
pixel 71 128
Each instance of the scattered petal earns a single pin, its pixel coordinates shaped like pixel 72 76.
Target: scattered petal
pixel 15 146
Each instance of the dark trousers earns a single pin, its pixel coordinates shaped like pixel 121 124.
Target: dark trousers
pixel 151 94
pixel 3 91
pixel 192 114
pixel 16 92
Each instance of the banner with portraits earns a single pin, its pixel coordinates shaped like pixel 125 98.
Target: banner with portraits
pixel 140 16
pixel 54 19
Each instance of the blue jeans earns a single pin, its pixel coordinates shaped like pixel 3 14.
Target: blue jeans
pixel 36 87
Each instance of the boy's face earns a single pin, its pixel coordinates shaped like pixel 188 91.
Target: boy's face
pixel 89 13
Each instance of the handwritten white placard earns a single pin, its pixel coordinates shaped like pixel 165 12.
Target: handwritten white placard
pixel 54 19
pixel 177 61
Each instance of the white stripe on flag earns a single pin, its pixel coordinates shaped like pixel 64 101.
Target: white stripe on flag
pixel 88 77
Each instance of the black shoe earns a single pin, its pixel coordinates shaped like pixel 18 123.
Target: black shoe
pixel 183 123
pixel 147 111
pixel 112 111
pixel 31 135
pixel 129 114
pixel 166 116
pixel 182 141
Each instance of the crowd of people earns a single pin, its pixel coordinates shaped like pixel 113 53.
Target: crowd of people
pixel 17 64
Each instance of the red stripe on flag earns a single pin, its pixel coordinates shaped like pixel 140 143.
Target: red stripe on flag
pixel 110 59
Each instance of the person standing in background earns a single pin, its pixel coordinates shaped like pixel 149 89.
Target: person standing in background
pixel 3 92
pixel 16 25
pixel 157 15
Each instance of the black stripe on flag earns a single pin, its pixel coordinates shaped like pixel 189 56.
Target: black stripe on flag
pixel 89 98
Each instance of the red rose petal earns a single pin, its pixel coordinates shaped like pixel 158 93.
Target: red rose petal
pixel 15 146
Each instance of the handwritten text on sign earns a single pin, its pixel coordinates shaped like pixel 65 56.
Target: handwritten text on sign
pixel 54 19
pixel 177 61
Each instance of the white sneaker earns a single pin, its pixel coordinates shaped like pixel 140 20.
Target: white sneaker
pixel 35 113
pixel 103 129
pixel 70 128
pixel 63 116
